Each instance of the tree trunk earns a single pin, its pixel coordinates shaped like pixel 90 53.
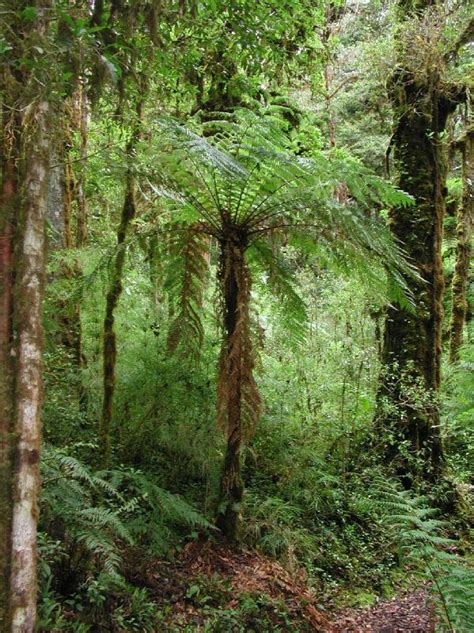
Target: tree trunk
pixel 79 116
pixel 234 279
pixel 8 203
pixel 29 290
pixel 412 341
pixel 110 345
pixel 409 389
pixel 113 296
pixel 463 248
pixel 80 106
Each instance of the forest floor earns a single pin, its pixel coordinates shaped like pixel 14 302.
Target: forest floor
pixel 209 579
pixel 406 612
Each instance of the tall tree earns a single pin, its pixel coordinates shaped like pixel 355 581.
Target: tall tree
pixel 422 99
pixel 30 272
pixel 129 209
pixel 27 133
pixel 8 204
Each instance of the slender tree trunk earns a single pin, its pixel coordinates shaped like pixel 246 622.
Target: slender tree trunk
pixel 77 195
pixel 29 290
pixel 60 211
pixel 113 296
pixel 81 121
pixel 465 214
pixel 8 203
pixel 234 279
pixel 110 343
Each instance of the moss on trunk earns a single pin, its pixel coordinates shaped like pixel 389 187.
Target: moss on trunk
pixel 29 290
pixel 110 345
pixel 408 393
pixel 463 248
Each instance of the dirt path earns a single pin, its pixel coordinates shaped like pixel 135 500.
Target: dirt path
pixel 409 612
pixel 225 574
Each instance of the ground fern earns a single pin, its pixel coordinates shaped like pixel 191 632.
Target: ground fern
pixel 424 546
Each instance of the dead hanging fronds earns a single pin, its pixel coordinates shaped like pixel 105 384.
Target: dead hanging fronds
pixel 187 280
pixel 239 401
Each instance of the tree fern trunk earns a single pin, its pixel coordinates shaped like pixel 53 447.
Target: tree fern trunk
pixel 236 296
pixel 463 248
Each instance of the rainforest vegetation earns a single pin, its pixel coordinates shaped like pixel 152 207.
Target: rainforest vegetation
pixel 236 315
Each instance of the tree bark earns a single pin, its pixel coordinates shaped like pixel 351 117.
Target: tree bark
pixel 29 291
pixel 8 203
pixel 110 342
pixel 81 114
pixel 463 248
pixel 408 393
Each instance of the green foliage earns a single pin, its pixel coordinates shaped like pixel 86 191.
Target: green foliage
pixel 322 265
pixel 89 521
pixel 459 414
pixel 71 509
pixel 423 544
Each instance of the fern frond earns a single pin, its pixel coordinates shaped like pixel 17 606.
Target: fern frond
pixel 103 518
pixel 275 278
pixel 187 274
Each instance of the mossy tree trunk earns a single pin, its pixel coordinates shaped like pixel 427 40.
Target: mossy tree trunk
pixel 26 145
pixel 80 108
pixel 408 393
pixel 61 211
pixel 110 339
pixel 464 216
pixel 113 296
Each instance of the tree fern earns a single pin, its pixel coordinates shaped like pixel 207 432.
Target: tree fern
pixel 187 272
pixel 241 186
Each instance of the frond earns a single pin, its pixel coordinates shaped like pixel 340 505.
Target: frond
pixel 186 277
pixel 424 545
pixel 275 278
pixel 104 518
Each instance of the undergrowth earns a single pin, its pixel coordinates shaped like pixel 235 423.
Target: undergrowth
pixel 425 547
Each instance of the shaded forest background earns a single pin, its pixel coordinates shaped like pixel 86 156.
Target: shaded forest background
pixel 258 214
